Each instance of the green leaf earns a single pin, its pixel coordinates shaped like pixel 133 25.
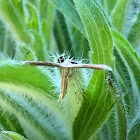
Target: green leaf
pixel 38 116
pixel 98 35
pixel 126 74
pixel 32 22
pixel 33 2
pixel 118 15
pixel 109 5
pixel 24 74
pixel 115 128
pixel 68 9
pixel 95 108
pixel 47 21
pixel 134 35
pixel 61 34
pixel 29 94
pixel 9 14
pixel 38 45
pixel 134 133
pixel 33 104
pixel 47 34
pixel 19 7
pixel 44 9
pixel 24 53
pixel 124 120
pixel 69 38
pixel 7 121
pixel 9 135
pixel 99 100
pixel 5 41
pixel 79 42
pixel 129 58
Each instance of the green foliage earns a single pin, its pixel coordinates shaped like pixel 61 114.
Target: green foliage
pixel 91 104
pixel 99 105
pixel 8 135
pixel 118 15
pixel 134 34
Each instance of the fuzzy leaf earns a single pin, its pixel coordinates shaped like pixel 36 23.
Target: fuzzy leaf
pixel 61 34
pixel 69 10
pixel 6 41
pixel 27 93
pixel 44 9
pixel 123 122
pixel 126 73
pixel 97 97
pixel 9 14
pixel 14 74
pixel 109 5
pixel 24 53
pixel 47 21
pixel 38 45
pixel 7 122
pixel 9 135
pixel 134 35
pixel 130 61
pixel 79 42
pixel 115 128
pixel 98 35
pixel 134 133
pixel 118 15
pixel 19 6
pixel 33 18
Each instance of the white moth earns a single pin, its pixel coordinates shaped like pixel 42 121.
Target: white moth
pixel 66 65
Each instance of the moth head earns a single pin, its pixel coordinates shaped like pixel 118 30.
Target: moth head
pixel 61 59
